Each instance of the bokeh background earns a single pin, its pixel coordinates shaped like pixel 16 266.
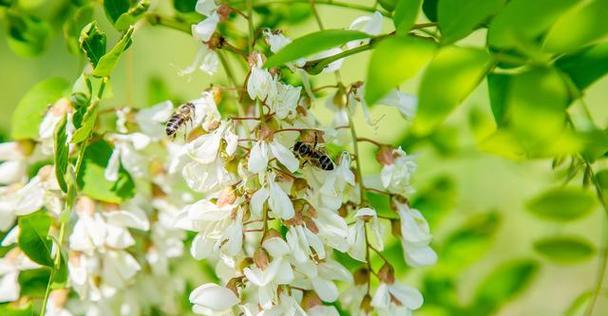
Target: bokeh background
pixel 458 182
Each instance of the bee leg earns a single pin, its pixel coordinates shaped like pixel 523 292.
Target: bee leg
pixel 315 144
pixel 304 163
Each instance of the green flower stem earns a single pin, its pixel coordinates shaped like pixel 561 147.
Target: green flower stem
pixel 170 22
pixel 342 4
pixel 250 25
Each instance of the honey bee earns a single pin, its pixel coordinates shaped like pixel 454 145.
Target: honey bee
pixel 184 114
pixel 316 157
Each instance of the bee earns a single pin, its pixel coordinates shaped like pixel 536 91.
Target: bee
pixel 184 114
pixel 316 157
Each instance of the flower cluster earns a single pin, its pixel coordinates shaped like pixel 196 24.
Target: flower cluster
pixel 268 218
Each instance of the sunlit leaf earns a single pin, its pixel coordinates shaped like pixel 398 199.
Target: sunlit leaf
pixel 469 242
pixel 73 26
pixel 498 87
pixel 564 250
pixel 93 42
pixel 586 66
pixel 88 122
pixel 429 7
pixel 579 27
pixel 132 15
pixel 503 285
pixel 108 61
pixel 92 181
pixel 405 15
pixel 601 177
pixel 33 237
pixel 393 61
pixel 458 18
pixel 388 5
pixel 34 282
pixel 520 22
pixel 115 8
pixel 562 204
pixel 184 6
pixel 27 35
pixel 449 79
pixel 578 306
pixel 436 199
pixel 311 44
pixel 30 110
pixel 12 309
pixel 61 150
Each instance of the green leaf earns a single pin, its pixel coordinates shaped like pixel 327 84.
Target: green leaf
pixel 108 61
pixel 88 122
pixel 10 309
pixel 564 250
pixel 579 27
pixel 30 110
pixel 586 66
pixel 115 8
pixel 132 15
pixel 578 306
pixel 93 42
pixel 393 61
pixel 33 237
pixel 27 35
pixel 388 5
pixel 458 18
pixel 74 24
pixel 449 79
pixel 436 199
pixel 562 204
pixel 502 285
pixel 429 7
pixel 313 43
pixel 158 91
pixel 184 6
pixel 520 23
pixel 91 177
pixel 61 151
pixel 469 242
pixel 601 178
pixel 34 282
pixel 61 276
pixel 498 87
pixel 405 15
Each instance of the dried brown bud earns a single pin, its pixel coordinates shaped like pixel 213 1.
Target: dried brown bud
pixel 265 133
pixel 260 258
pixel 272 233
pixel 217 94
pixel 366 304
pixel 385 156
pixel 343 210
pixel 396 227
pixel 157 191
pixel 26 146
pixel 300 184
pixel 226 197
pixel 361 276
pixel 387 274
pixel 310 300
pixel 310 224
pixel 245 263
pixel 224 11
pixel 234 284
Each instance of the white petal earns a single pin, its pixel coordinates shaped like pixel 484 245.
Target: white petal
pixel 136 218
pixel 30 198
pixel 9 287
pixel 150 119
pixel 210 63
pixel 258 157
pixel 111 171
pixel 205 28
pixel 407 295
pixel 279 202
pixel 323 310
pixel 12 171
pixel 257 201
pixel 202 247
pixel 417 256
pixel 205 7
pixel 119 237
pixel 381 298
pixel 285 156
pixel 326 290
pixel 214 297
pixel 10 151
pixel 276 247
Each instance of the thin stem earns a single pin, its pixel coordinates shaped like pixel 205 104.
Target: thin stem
pixel 250 24
pixel 170 22
pixel 371 141
pixel 603 261
pixel 316 14
pixel 343 4
pixel 353 133
pixel 378 252
pixel 316 66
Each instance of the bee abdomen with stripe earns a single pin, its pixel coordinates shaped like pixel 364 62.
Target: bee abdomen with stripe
pixel 316 157
pixel 183 115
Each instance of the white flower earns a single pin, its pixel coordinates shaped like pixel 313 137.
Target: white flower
pixel 205 7
pixel 41 190
pixel 206 177
pixel 278 201
pixel 205 111
pixel 332 229
pixel 150 120
pixel 267 279
pixel 55 305
pixel 396 176
pixel 323 310
pixel 357 236
pixel 416 237
pixel 212 299
pixel 304 243
pixel 205 59
pixel 261 85
pixel 285 101
pixel 49 122
pixel 11 265
pixel 396 299
pixel 370 24
pixel 13 166
pixel 262 151
pixel 125 154
pixel 276 40
pixel 205 28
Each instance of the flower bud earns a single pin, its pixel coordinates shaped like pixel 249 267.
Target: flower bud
pixel 366 304
pixel 396 228
pixel 310 300
pixel 245 263
pixel 234 284
pixel 26 146
pixel 361 276
pixel 224 11
pixel 310 224
pixel 385 156
pixel 260 258
pixel 272 233
pixel 387 274
pixel 265 133
pixel 226 197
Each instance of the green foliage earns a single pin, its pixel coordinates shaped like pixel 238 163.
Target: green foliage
pixel 405 15
pixel 73 25
pixel 131 15
pixel 92 181
pixel 93 42
pixel 157 91
pixel 429 7
pixel 585 66
pixel 578 27
pixel 459 18
pixel 184 6
pixel 390 5
pixel 562 204
pixel 61 149
pixel 10 309
pixel 109 60
pixel 27 35
pixel 30 110
pixel 33 237
pixel 312 43
pixel 578 306
pixel 407 54
pixel 502 285
pixel 450 77
pixel 564 249
pixel 33 282
pixel 435 200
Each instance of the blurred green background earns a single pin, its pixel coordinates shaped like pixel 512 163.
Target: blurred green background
pixel 467 183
